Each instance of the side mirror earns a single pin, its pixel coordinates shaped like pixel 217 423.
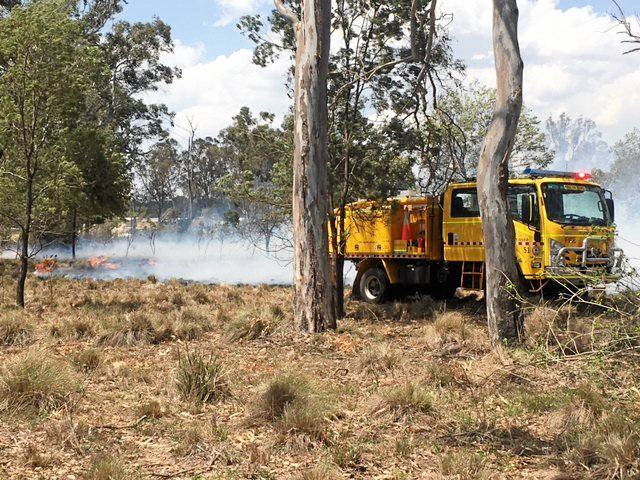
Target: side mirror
pixel 527 209
pixel 612 209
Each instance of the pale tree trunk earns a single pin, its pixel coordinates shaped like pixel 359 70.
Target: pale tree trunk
pixel 504 314
pixel 313 290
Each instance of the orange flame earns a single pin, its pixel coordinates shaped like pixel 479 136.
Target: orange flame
pixel 47 266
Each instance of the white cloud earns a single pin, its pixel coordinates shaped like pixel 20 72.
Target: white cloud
pixel 573 60
pixel 234 9
pixel 573 63
pixel 211 92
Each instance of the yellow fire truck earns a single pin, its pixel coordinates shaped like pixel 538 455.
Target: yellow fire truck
pixel 564 226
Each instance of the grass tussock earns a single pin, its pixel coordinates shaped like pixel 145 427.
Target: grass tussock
pixel 608 448
pixel 463 465
pixel 15 330
pixel 37 381
pixel 254 323
pixel 134 329
pixel 87 360
pixel 320 472
pixel 80 328
pixel 107 468
pixel 407 399
pixel 198 437
pixel 444 374
pixel 379 359
pixel 293 404
pixel 559 329
pixel 152 409
pixel 201 379
pixel 452 327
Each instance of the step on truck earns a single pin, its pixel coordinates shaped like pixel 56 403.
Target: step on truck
pixel 564 225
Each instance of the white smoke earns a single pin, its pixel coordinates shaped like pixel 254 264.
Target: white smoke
pixel 231 261
pixel 170 257
pixel 629 236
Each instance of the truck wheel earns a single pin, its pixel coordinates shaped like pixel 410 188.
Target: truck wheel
pixel 374 286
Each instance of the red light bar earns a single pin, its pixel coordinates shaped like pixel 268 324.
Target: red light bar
pixel 582 176
pixel 535 173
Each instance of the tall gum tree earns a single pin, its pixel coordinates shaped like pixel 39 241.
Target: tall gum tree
pixel 314 308
pixel 504 315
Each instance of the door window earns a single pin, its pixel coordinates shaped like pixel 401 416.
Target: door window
pixel 516 196
pixel 464 203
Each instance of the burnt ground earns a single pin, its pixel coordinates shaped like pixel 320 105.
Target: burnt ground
pixel 135 379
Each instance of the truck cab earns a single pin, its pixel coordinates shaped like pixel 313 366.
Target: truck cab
pixel 564 226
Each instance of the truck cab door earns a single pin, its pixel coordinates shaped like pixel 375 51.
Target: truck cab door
pixel 462 226
pixel 525 210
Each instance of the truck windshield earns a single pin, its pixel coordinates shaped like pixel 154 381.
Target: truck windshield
pixel 571 204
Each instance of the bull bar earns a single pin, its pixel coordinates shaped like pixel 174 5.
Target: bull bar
pixel 613 260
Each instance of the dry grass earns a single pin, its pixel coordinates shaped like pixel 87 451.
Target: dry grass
pixel 201 378
pixel 452 326
pixel 36 381
pixel 254 323
pixel 87 360
pixel 107 468
pixel 133 329
pixel 294 404
pixel 406 390
pixel 407 399
pixel 15 329
pixel 379 359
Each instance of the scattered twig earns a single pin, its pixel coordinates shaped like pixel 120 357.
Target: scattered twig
pixel 122 427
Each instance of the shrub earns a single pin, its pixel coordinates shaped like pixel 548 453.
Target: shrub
pixel 201 379
pixel 37 381
pixel 15 331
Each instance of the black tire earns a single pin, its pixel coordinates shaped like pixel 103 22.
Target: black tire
pixel 374 286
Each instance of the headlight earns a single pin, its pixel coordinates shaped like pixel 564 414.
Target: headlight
pixel 554 249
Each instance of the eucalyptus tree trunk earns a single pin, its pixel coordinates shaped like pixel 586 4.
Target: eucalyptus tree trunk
pixel 504 313
pixel 313 290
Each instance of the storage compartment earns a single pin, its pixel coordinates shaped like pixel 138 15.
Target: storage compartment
pixel 400 227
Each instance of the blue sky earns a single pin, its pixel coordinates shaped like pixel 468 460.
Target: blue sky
pixel 574 60
pixel 194 20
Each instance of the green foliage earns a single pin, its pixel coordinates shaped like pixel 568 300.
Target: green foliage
pixel 48 71
pixel 457 132
pixel 159 174
pixel 258 175
pixel 132 52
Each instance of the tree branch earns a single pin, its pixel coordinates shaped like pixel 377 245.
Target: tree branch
pixel 622 19
pixel 286 12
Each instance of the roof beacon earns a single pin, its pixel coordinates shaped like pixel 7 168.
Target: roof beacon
pixel 536 173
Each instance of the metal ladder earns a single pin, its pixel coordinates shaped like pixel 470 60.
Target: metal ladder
pixel 472 275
